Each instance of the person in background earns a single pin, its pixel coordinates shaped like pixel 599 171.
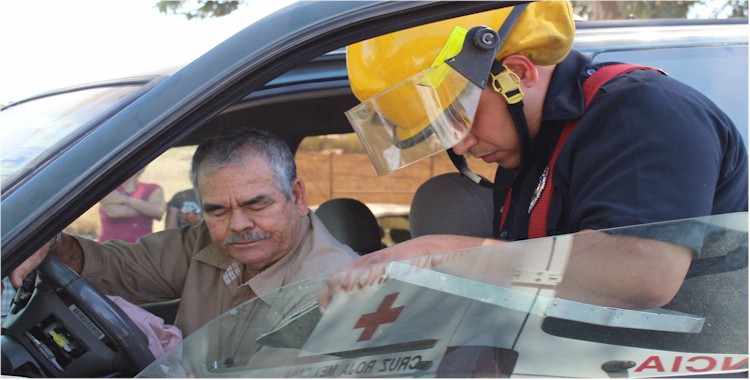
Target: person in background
pixel 129 212
pixel 183 209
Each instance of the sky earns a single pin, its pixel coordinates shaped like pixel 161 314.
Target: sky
pixel 49 44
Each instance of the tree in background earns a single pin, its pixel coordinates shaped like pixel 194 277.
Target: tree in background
pixel 738 8
pixel 588 10
pixel 199 8
pixel 619 10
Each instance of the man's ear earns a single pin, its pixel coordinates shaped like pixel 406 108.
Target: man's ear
pixel 523 67
pixel 299 196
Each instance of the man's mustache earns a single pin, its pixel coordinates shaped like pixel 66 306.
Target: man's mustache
pixel 246 236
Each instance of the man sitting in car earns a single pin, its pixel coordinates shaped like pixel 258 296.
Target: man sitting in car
pixel 258 235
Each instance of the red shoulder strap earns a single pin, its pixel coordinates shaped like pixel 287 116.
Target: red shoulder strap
pixel 540 212
pixel 603 75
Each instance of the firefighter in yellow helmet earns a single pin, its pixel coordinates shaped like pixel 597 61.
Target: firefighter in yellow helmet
pixel 579 145
pixel 420 87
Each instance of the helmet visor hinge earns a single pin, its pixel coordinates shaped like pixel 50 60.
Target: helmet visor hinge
pixel 478 52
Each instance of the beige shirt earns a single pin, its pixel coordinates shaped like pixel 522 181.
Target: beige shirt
pixel 185 263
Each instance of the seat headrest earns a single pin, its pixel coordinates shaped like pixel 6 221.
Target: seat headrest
pixel 352 223
pixel 451 204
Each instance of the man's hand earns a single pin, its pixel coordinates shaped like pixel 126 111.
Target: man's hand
pixel 191 218
pixel 23 270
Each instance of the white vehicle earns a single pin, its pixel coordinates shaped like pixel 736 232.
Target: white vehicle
pixel 471 314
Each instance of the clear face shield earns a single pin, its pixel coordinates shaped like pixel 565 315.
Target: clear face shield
pixel 431 111
pixel 432 117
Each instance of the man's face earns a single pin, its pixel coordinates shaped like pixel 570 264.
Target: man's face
pixel 247 215
pixel 493 136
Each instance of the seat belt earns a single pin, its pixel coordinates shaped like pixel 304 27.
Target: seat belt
pixel 539 210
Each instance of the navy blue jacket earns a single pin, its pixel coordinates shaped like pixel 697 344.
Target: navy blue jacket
pixel 648 148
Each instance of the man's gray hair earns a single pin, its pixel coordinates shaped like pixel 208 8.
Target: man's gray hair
pixel 236 144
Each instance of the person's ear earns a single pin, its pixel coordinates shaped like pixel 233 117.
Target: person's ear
pixel 299 196
pixel 523 67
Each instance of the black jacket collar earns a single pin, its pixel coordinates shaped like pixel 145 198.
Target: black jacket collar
pixel 564 100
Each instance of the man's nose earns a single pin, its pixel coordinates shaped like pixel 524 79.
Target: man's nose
pixel 464 145
pixel 240 221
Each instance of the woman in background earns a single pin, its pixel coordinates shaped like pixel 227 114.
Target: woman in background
pixel 129 212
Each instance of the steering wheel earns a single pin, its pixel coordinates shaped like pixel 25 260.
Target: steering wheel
pixel 67 328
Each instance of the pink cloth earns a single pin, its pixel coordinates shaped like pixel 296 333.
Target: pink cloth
pixel 161 337
pixel 128 229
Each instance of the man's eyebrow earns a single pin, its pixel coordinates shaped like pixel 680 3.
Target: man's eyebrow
pixel 209 207
pixel 263 198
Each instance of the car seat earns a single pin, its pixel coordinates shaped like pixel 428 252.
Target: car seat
pixel 352 223
pixel 451 204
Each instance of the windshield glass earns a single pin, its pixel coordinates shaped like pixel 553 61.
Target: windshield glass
pixel 493 311
pixel 30 129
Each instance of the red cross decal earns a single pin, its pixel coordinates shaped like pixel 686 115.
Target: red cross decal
pixel 384 314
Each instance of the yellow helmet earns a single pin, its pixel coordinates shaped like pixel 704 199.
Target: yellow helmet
pixel 544 33
pixel 382 65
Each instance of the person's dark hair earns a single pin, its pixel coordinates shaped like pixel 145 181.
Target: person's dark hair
pixel 235 144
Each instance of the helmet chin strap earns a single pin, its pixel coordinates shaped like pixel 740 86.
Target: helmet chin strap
pixel 460 163
pixel 506 83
